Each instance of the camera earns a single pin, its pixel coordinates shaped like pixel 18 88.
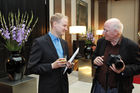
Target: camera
pixel 115 59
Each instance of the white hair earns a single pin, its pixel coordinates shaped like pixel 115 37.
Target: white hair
pixel 115 24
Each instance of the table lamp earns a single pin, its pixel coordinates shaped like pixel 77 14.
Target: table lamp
pixel 99 33
pixel 77 30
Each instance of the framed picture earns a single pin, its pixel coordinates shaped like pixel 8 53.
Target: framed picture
pixel 82 13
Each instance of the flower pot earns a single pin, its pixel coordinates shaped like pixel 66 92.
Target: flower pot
pixel 15 66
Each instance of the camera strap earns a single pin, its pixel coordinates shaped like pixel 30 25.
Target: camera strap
pixel 107 78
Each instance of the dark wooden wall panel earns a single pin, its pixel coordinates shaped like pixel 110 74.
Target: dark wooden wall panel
pixel 47 18
pixel 102 13
pixel 57 6
pixel 67 34
pixel 39 9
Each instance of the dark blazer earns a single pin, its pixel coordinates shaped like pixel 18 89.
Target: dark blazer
pixel 129 52
pixel 42 55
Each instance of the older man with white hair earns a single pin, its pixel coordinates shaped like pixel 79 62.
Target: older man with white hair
pixel 116 60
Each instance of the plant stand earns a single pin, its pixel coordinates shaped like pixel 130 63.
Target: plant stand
pixel 26 85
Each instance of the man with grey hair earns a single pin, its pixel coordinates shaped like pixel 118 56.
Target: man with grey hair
pixel 116 60
pixel 48 58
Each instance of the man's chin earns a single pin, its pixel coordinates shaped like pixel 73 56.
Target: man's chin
pixel 63 33
pixel 106 38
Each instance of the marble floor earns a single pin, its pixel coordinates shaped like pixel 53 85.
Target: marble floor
pixel 80 81
pixel 78 86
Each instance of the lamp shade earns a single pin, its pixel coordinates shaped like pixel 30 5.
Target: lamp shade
pixel 99 32
pixel 77 29
pixel 139 33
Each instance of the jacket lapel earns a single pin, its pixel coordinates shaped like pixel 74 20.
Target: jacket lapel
pixel 103 46
pixel 51 45
pixel 122 47
pixel 63 47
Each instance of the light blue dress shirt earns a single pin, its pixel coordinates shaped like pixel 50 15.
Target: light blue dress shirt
pixel 57 44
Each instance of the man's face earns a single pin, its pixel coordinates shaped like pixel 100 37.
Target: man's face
pixel 108 33
pixel 61 26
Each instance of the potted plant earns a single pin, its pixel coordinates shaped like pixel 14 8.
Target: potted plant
pixel 88 44
pixel 15 32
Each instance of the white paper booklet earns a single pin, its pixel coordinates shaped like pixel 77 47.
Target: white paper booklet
pixel 71 59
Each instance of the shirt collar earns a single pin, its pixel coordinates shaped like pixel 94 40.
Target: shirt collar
pixel 53 37
pixel 118 41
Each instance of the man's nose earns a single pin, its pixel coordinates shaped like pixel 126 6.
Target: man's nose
pixel 104 32
pixel 66 28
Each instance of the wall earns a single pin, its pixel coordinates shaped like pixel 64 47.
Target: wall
pixel 127 12
pixel 73 8
pixel 73 12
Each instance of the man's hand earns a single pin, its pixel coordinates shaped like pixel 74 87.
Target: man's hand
pixel 98 61
pixel 118 71
pixel 61 62
pixel 69 65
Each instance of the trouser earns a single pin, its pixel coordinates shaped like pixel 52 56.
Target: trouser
pixel 98 89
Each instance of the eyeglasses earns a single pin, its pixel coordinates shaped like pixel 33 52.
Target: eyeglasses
pixel 106 30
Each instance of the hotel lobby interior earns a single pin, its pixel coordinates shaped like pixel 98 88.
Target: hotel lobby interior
pixel 89 14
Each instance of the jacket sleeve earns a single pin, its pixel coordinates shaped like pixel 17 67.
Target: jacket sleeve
pixel 133 62
pixel 35 66
pixel 96 53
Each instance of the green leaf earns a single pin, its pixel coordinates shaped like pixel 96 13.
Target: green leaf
pixel 12 45
pixel 16 20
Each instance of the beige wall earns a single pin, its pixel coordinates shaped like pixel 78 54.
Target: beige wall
pixel 127 12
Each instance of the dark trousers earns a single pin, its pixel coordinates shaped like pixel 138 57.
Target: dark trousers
pixel 98 89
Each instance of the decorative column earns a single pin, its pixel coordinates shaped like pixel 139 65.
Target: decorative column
pixel 57 6
pixel 67 34
pixel 102 13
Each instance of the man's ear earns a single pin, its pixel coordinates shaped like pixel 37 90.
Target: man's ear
pixel 54 24
pixel 116 33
